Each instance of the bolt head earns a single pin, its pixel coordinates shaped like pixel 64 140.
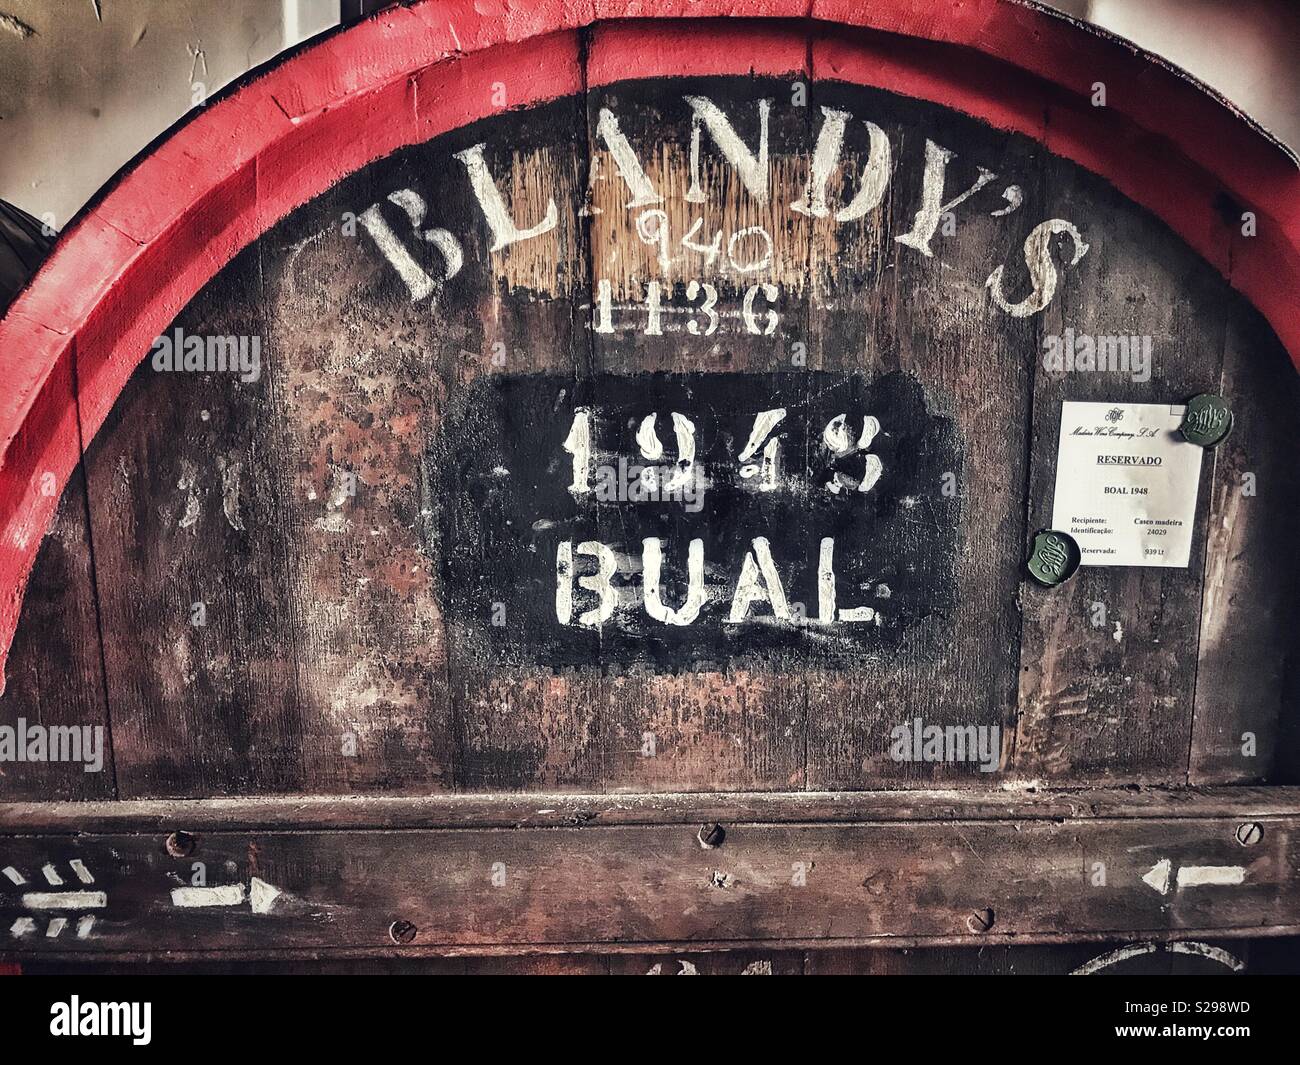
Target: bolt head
pixel 402 932
pixel 181 844
pixel 1250 833
pixel 711 835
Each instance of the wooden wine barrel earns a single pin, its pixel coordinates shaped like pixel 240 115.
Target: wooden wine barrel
pixel 501 484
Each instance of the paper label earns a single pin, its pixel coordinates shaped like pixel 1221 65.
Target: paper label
pixel 1126 483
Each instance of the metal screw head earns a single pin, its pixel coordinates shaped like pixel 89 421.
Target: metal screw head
pixel 181 844
pixel 980 920
pixel 711 836
pixel 401 932
pixel 1250 833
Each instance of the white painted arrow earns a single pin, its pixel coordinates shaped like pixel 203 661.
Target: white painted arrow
pixel 1159 875
pixel 261 896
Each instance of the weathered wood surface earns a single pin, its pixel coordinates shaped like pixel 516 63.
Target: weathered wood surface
pixel 892 310
pixel 743 727
pixel 1034 877
pixel 1109 659
pixel 302 510
pixel 58 677
pixel 1246 730
pixel 56 672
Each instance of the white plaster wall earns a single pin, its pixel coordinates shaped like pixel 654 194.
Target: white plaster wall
pixel 86 84
pixel 1247 50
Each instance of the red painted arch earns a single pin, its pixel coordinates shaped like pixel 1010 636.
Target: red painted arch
pixel 163 228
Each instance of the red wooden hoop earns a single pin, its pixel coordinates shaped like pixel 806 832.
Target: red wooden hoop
pixel 171 220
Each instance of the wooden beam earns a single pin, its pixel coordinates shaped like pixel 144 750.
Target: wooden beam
pixel 630 872
pixel 568 810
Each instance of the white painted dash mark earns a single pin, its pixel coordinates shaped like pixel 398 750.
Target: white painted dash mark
pixel 199 897
pixel 14 875
pixel 1158 877
pixel 24 926
pixel 57 925
pixel 83 874
pixel 1200 875
pixel 52 875
pixel 84 926
pixel 65 900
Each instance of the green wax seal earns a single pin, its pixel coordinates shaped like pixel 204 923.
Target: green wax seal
pixel 1207 421
pixel 1055 557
